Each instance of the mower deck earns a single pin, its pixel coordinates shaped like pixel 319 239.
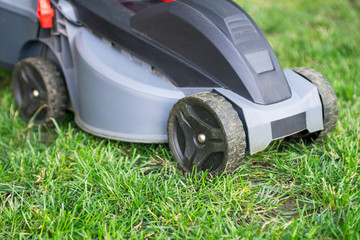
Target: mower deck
pixel 197 74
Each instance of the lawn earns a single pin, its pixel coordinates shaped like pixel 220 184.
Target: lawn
pixel 63 183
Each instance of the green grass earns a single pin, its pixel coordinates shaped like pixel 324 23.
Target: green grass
pixel 64 183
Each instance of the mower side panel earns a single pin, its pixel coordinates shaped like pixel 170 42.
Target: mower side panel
pixel 263 124
pixel 18 24
pixel 119 96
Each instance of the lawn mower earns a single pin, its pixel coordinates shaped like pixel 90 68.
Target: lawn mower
pixel 198 74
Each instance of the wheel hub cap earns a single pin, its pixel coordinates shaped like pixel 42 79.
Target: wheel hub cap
pixel 35 93
pixel 201 138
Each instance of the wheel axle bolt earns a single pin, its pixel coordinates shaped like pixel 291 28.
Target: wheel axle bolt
pixel 35 93
pixel 201 138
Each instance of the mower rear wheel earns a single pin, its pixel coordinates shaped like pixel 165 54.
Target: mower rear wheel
pixel 206 134
pixel 329 104
pixel 39 90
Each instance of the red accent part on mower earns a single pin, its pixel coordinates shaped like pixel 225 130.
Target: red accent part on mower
pixel 168 0
pixel 45 13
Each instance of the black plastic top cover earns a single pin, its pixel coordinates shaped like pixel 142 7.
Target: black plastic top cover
pixel 196 43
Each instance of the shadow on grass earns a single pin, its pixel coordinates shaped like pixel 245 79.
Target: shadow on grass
pixel 273 174
pixel 283 197
pixel 4 77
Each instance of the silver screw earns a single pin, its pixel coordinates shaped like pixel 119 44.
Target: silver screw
pixel 35 93
pixel 201 138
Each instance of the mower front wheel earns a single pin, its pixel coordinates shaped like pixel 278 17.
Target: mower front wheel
pixel 206 134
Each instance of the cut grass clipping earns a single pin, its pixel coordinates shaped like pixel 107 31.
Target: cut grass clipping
pixel 64 183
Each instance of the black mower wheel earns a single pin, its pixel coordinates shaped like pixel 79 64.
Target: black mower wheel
pixel 39 90
pixel 329 104
pixel 206 132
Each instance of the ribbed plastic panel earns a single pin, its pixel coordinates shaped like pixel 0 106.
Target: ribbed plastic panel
pixel 241 29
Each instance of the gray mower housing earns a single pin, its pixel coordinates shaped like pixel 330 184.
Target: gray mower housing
pixel 125 68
